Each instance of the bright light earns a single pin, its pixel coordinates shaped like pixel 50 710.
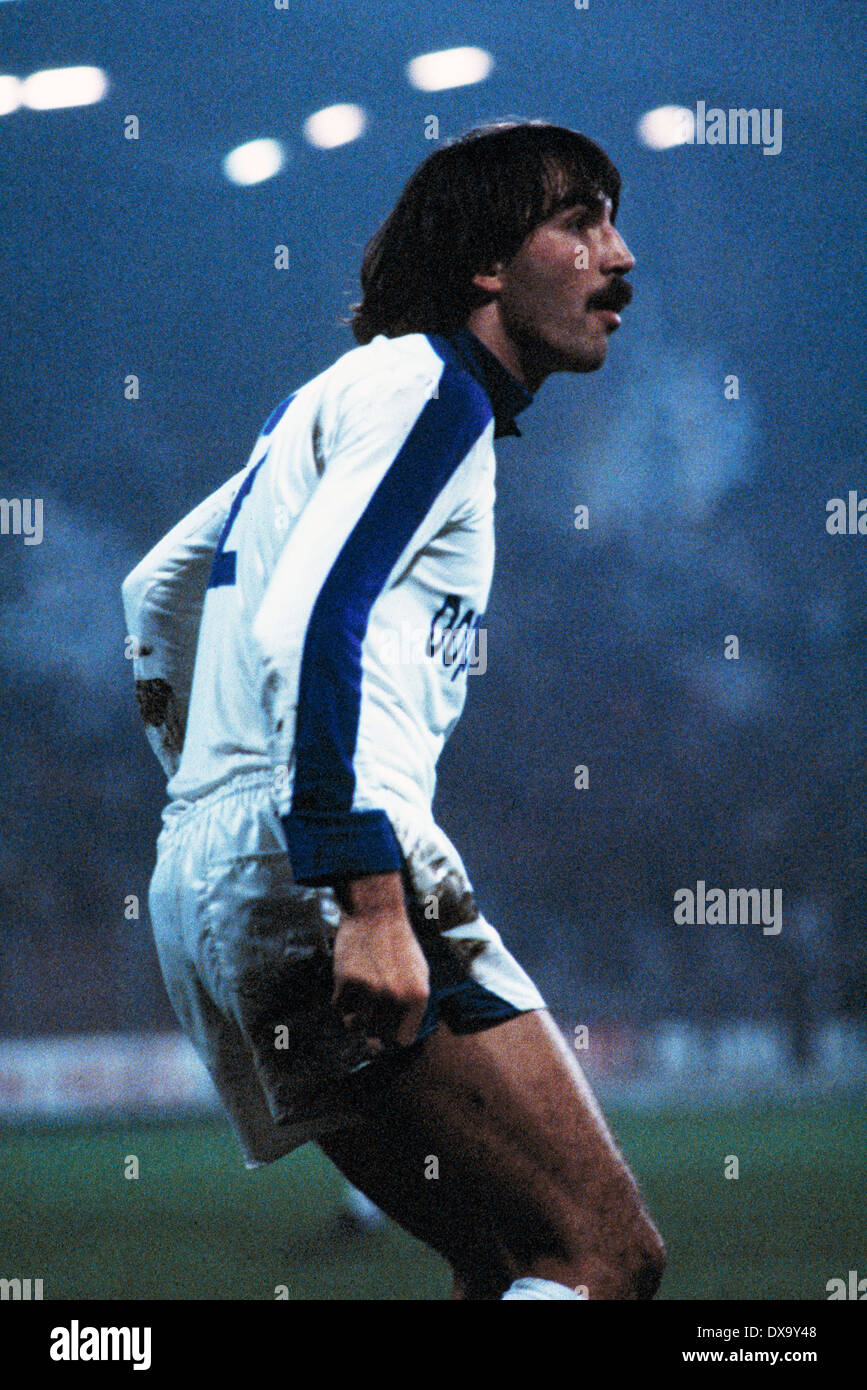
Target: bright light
pixel 335 125
pixel 10 95
pixel 254 162
pixel 666 126
pixel 55 87
pixel 451 67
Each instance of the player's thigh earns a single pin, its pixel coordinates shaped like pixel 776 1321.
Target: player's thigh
pixel 393 1160
pixel 491 1148
pixel 510 1111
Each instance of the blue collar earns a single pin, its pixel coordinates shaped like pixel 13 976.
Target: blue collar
pixel 508 396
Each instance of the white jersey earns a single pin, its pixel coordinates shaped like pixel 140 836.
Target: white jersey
pixel 336 586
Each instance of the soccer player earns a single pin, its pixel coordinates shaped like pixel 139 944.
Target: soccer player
pixel 317 933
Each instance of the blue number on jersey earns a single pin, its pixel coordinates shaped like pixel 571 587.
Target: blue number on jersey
pixel 223 568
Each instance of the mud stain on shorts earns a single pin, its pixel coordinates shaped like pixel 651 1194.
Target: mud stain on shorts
pixel 450 903
pixel 159 709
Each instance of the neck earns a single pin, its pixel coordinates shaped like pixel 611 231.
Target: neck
pixel 486 324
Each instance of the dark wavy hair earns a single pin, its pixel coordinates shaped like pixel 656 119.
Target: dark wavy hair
pixel 471 203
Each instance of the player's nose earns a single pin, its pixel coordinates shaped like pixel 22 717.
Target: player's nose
pixel 617 259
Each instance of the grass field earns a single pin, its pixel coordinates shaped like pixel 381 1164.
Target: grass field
pixel 196 1224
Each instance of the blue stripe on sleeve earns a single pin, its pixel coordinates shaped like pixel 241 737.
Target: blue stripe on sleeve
pixel 277 414
pixel 325 837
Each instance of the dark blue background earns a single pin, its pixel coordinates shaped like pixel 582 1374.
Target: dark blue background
pixel 604 647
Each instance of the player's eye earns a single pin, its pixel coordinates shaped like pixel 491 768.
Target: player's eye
pixel 586 214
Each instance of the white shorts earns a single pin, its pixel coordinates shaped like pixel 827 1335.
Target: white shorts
pixel 246 955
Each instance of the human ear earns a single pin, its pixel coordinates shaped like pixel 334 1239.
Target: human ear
pixel 490 280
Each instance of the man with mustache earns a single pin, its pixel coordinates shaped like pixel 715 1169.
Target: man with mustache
pixel 317 932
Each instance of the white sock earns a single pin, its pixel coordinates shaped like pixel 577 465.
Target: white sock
pixel 540 1288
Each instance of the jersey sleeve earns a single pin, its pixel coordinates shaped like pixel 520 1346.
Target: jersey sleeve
pixel 162 602
pixel 389 486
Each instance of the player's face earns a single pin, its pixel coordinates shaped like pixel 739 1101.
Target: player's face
pixel 562 291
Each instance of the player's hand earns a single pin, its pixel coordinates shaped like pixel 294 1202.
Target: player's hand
pixel 380 974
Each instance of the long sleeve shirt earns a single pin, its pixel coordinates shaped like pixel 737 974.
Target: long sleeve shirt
pixel 348 569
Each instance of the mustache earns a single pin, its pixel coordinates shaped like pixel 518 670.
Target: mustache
pixel 615 296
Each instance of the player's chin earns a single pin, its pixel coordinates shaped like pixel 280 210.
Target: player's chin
pixel 589 359
pixel 588 353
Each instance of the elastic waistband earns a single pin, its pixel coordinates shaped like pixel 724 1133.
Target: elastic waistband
pixel 179 810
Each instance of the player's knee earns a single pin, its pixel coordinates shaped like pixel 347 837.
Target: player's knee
pixel 487 1280
pixel 630 1268
pixel 644 1265
pixel 625 1262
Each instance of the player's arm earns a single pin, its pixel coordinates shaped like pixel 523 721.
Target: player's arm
pixel 162 602
pixel 385 493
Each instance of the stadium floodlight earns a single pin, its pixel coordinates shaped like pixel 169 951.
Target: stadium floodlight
pixel 57 87
pixel 10 94
pixel 254 162
pixel 335 125
pixel 666 126
pixel 450 67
